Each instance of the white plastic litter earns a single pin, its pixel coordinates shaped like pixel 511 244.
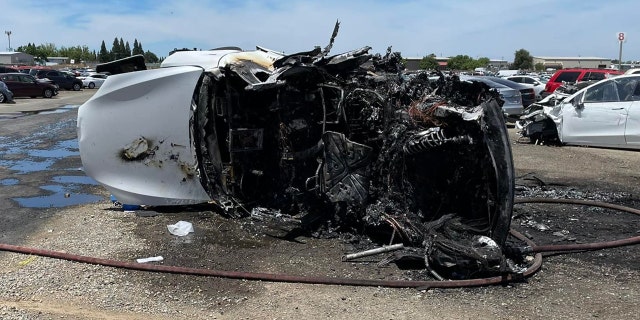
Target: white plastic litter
pixel 150 259
pixel 182 228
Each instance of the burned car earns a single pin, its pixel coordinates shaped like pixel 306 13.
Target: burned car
pixel 327 140
pixel 603 114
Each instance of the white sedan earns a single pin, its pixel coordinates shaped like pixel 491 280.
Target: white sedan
pixel 94 80
pixel 537 85
pixel 604 114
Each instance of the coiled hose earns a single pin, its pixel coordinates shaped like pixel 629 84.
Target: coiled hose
pixel 419 284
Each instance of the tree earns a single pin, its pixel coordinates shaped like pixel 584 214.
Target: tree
pixel 461 62
pixel 523 60
pixel 150 57
pixel 122 49
pixel 482 62
pixel 115 50
pixel 428 62
pixel 127 49
pixel 539 66
pixel 137 48
pixel 104 55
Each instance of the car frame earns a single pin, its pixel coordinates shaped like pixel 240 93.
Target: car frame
pixel 603 114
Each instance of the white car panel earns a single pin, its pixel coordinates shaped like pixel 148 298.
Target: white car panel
pixel 632 129
pixel 601 123
pixel 137 124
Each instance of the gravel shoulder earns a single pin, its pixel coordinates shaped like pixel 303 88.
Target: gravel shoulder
pixel 600 284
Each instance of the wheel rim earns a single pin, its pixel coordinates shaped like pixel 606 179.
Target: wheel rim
pixel 48 93
pixel 1 97
pixel 92 85
pixel 76 87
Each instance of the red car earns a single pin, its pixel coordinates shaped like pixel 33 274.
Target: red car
pixel 24 85
pixel 576 75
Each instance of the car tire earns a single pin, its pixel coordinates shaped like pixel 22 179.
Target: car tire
pixel 2 97
pixel 48 93
pixel 76 87
pixel 91 85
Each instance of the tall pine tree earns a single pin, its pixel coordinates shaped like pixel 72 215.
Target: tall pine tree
pixel 104 55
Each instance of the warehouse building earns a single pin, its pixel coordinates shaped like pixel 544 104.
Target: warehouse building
pixel 15 58
pixel 572 62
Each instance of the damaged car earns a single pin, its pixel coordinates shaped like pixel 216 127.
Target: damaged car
pixel 602 114
pixel 335 142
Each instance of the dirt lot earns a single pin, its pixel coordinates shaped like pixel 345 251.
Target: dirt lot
pixel 601 284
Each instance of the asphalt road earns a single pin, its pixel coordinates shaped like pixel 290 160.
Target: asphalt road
pixel 64 98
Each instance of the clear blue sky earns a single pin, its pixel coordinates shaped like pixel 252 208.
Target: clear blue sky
pixel 493 29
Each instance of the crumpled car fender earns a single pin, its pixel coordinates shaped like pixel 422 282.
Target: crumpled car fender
pixel 137 125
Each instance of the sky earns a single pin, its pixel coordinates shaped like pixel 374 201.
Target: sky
pixel 477 28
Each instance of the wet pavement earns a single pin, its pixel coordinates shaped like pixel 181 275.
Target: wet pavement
pixel 40 164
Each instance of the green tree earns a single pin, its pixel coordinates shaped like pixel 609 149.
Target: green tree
pixel 461 62
pixel 539 66
pixel 104 55
pixel 523 60
pixel 127 49
pixel 482 62
pixel 151 57
pixel 115 50
pixel 428 62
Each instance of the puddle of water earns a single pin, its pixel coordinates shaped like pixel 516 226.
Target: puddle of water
pixel 52 111
pixel 57 199
pixel 9 182
pixel 75 180
pixel 38 159
pixel 27 166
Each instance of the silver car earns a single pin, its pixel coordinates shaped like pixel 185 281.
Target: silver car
pixel 512 106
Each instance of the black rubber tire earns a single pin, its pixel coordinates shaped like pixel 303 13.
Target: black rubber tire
pixel 91 85
pixel 47 93
pixel 77 87
pixel 2 97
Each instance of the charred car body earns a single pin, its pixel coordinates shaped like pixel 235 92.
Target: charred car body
pixel 604 113
pixel 318 138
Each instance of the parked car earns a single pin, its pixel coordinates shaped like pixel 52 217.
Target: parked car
pixel 604 114
pixel 632 71
pixel 63 80
pixel 527 93
pixel 529 81
pixel 24 85
pixel 5 69
pixel 93 80
pixel 576 75
pixel 512 106
pixel 6 95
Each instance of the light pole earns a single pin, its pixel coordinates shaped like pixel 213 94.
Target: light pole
pixel 9 36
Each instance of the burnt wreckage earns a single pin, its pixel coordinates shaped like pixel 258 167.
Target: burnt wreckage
pixel 334 141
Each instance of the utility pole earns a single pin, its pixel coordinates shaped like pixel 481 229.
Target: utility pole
pixel 9 36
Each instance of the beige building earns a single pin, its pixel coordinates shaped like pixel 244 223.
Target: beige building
pixel 572 62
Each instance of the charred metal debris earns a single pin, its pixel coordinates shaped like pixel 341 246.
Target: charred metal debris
pixel 337 144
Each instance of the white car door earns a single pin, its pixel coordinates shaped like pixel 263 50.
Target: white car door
pixel 632 129
pixel 600 118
